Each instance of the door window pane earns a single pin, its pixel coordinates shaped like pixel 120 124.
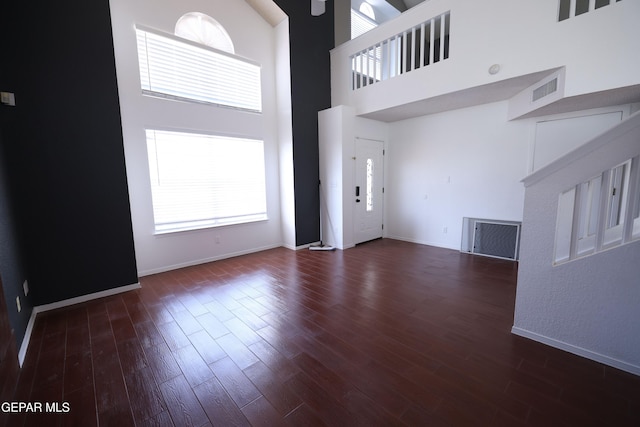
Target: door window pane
pixel 369 185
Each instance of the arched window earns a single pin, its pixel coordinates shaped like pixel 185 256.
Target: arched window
pixel 203 29
pixel 367 10
pixel 362 20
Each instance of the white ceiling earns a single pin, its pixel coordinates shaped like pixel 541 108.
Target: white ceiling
pixel 268 10
pixel 412 3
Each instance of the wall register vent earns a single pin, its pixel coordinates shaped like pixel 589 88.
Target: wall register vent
pixel 493 238
pixel 545 90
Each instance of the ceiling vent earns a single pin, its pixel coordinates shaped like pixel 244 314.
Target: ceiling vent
pixel 544 90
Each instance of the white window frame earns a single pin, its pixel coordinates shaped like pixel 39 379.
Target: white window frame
pixel 592 217
pixel 206 186
pixel 589 194
pixel 617 199
pixel 634 191
pixel 564 226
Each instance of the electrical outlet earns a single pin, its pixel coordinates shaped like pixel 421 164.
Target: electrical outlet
pixel 217 238
pixel 18 303
pixel 445 230
pixel 25 287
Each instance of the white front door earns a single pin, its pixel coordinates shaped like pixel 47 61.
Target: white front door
pixel 368 191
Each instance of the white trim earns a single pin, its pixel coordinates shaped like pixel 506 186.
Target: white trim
pixel 27 338
pixel 206 260
pixel 601 358
pixel 423 242
pixel 85 298
pixel 301 247
pixel 65 303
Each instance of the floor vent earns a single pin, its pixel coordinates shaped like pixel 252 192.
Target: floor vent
pixel 493 238
pixel 545 90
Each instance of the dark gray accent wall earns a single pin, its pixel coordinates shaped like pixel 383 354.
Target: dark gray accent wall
pixel 67 205
pixel 311 39
pixel 64 151
pixel 12 269
pixel 12 262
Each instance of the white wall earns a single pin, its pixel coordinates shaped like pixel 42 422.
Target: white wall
pixel 589 306
pixel 560 135
pixel 338 128
pixel 285 135
pixel 335 129
pixel 253 38
pixel 446 166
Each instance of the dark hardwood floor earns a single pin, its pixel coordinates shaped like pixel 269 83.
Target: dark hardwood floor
pixel 387 333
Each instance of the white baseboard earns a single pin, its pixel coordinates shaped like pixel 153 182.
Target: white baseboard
pixel 423 242
pixel 65 303
pixel 301 247
pixel 583 352
pixel 157 270
pixel 27 337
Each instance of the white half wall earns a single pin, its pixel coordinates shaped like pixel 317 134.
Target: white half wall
pixel 521 37
pixel 589 306
pixel 253 38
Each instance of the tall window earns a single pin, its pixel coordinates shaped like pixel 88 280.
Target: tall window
pixel 200 181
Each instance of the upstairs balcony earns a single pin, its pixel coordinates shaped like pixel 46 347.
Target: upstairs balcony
pixel 545 57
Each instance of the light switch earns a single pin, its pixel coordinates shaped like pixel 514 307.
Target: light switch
pixel 8 98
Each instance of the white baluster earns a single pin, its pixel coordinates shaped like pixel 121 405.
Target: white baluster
pixel 442 34
pixel 422 38
pixel 432 36
pixel 412 66
pixel 404 52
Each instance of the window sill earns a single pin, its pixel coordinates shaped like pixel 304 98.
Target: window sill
pixel 205 225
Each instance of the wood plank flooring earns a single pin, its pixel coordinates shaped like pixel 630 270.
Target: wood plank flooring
pixel 388 333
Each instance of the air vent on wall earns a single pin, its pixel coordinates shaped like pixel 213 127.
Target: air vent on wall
pixel 493 238
pixel 546 89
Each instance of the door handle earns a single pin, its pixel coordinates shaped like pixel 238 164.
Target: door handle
pixel 358 191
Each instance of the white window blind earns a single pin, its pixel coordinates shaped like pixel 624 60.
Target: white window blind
pixel 360 24
pixel 200 181
pixel 175 68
